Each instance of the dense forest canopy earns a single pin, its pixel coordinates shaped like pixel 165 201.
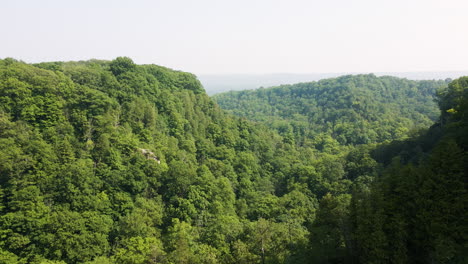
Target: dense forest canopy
pixel 113 162
pixel 353 109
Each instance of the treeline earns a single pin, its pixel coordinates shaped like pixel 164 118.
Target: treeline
pixel 348 110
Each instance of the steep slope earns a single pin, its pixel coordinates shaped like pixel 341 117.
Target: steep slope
pixel 355 109
pixel 112 162
pixel 407 196
pixel 415 212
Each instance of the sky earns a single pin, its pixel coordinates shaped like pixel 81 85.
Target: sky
pixel 243 36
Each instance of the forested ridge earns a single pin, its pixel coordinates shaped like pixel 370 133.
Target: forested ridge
pixel 352 109
pixel 113 162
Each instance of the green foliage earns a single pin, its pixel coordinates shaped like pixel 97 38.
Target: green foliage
pixel 357 109
pixel 122 65
pixel 414 213
pixel 99 157
pixel 330 231
pixel 113 162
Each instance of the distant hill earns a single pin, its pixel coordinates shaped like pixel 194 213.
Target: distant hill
pixel 218 83
pixel 353 109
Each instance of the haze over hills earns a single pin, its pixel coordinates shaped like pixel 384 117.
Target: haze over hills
pixel 218 83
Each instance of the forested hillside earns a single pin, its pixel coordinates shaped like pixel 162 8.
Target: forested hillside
pixel 110 162
pixel 113 162
pixel 415 211
pixel 407 202
pixel 353 109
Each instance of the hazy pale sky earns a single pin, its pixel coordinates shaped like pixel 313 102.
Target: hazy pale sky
pixel 243 36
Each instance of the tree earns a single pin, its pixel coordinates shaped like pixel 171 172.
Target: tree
pixel 121 65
